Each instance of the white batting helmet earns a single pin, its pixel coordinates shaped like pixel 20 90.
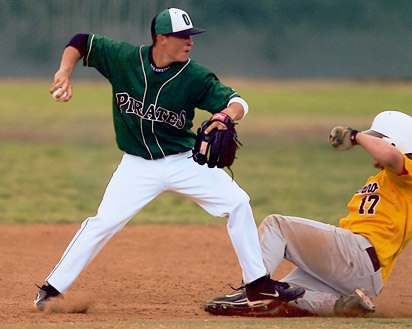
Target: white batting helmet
pixel 394 127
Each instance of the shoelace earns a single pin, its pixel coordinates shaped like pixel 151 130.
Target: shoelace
pixel 284 285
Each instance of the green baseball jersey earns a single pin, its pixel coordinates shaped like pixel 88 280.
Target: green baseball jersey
pixel 153 111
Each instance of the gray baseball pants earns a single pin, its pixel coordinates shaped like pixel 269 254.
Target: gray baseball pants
pixel 330 261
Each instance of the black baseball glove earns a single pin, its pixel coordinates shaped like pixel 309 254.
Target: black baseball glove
pixel 218 147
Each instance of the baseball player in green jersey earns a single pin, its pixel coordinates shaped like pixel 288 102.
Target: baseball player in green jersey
pixel 155 92
pixel 343 268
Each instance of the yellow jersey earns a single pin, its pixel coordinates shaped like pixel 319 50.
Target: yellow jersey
pixel 382 212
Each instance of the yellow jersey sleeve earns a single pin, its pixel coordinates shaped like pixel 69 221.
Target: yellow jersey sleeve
pixel 382 211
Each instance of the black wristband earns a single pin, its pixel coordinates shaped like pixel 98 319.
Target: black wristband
pixel 353 137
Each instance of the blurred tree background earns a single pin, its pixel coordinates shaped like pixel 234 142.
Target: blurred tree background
pixel 368 39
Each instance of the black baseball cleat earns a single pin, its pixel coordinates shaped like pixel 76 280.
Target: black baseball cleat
pixel 268 299
pixel 235 303
pixel 265 290
pixel 44 295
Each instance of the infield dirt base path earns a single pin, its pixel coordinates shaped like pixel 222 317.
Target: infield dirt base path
pixel 143 273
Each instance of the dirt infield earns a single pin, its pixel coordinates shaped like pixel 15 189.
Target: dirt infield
pixel 145 272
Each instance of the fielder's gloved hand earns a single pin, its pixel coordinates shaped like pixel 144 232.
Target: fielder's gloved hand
pixel 342 138
pixel 218 147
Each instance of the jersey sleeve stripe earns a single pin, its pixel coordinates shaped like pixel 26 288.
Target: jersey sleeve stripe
pixel 90 49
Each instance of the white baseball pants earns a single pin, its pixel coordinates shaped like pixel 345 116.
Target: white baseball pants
pixel 330 261
pixel 135 183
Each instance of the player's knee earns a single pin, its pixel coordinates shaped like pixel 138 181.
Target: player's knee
pixel 105 225
pixel 238 204
pixel 273 219
pixel 241 200
pixel 270 221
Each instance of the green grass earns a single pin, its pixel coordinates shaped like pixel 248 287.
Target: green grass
pixel 61 183
pixel 58 157
pixel 243 323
